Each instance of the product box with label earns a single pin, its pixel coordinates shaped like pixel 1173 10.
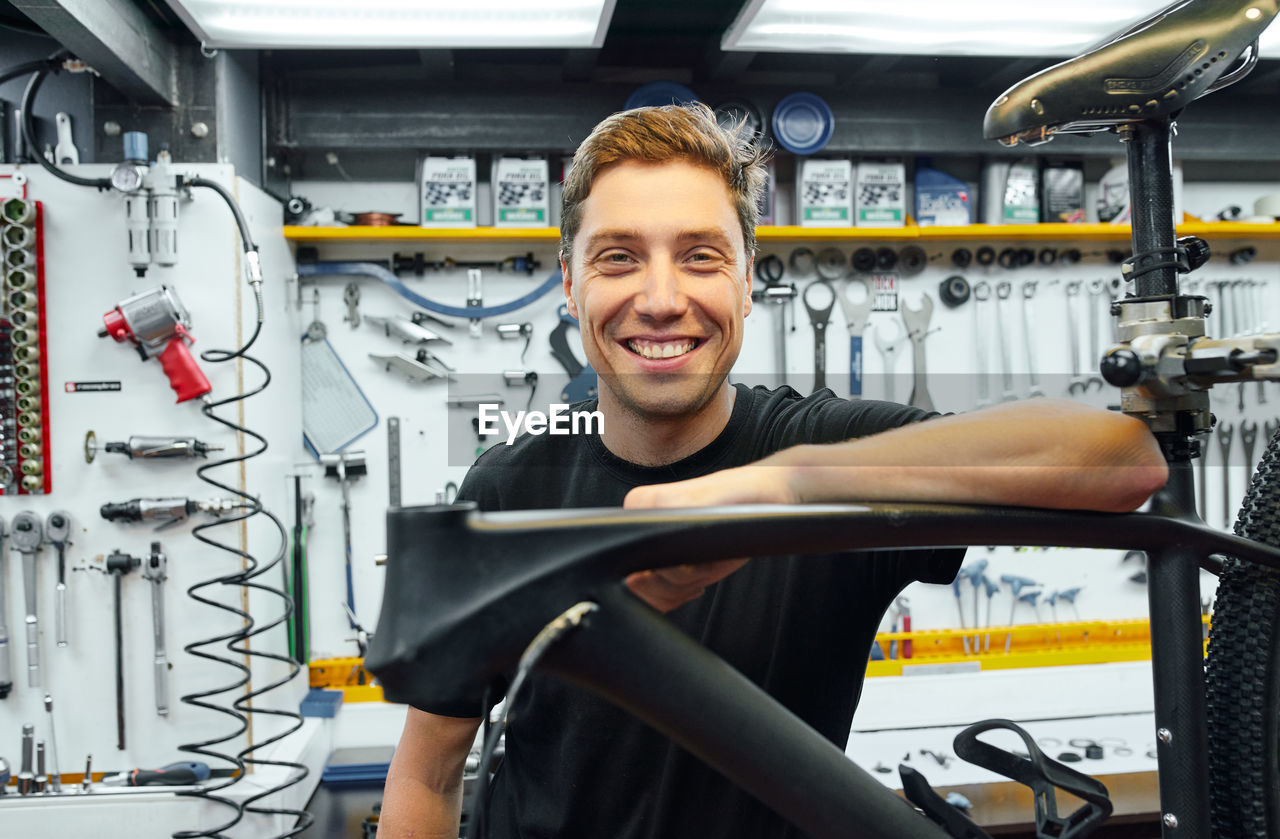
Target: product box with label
pixel 824 193
pixel 942 200
pixel 881 194
pixel 447 191
pixel 521 192
pixel 1062 193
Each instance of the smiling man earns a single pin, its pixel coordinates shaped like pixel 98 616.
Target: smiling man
pixel 658 240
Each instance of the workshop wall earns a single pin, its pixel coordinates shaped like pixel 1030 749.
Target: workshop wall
pixel 86 274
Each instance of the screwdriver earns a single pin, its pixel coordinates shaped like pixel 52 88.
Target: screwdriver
pixel 182 773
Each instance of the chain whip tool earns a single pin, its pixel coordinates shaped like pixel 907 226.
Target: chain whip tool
pixel 1007 394
pixel 981 294
pixel 820 316
pixel 917 323
pixel 6 672
pixel 154 572
pixel 856 316
pixel 58 530
pixel 25 538
pixel 56 777
pixel 1028 337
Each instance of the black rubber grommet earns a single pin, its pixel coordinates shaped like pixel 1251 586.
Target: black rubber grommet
pixel 886 259
pixel 954 291
pixel 1243 256
pixel 985 255
pixel 961 257
pixel 1093 752
pixel 769 269
pixel 1026 256
pixel 1048 256
pixel 1116 257
pixel 1070 757
pixel 1008 258
pixel 864 260
pixel 1070 256
pixel 911 260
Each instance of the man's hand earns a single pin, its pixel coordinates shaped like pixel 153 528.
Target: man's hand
pixel 666 588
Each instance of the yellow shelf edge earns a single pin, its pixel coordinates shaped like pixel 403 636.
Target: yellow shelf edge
pixel 790 233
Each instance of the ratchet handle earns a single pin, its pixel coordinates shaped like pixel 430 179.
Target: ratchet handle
pixel 6 677
pixel 60 612
pixel 162 685
pixel 32 620
pixel 185 376
pixel 855 365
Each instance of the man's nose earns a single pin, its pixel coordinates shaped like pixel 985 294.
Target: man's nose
pixel 662 295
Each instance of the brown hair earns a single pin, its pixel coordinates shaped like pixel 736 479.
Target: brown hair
pixel 686 132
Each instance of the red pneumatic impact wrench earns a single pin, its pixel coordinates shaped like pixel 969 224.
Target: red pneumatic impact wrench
pixel 156 324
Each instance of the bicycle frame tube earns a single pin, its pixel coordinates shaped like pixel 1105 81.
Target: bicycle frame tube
pixel 466 592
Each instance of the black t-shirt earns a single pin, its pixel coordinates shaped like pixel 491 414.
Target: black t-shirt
pixel 577 767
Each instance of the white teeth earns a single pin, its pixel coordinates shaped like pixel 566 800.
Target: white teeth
pixel 668 350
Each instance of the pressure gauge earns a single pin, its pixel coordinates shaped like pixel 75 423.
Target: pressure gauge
pixel 127 177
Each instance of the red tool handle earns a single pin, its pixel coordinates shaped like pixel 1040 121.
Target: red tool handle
pixel 185 376
pixel 906 645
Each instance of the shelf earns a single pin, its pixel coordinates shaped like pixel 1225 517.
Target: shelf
pixel 973 232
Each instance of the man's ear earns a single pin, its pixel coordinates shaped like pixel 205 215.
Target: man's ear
pixel 751 271
pixel 567 282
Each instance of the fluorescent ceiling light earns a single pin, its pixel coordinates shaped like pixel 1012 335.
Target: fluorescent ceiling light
pixel 1028 28
pixel 415 24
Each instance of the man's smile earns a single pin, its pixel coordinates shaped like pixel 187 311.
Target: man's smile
pixel 655 349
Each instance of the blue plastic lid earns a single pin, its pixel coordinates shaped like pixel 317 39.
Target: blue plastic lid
pixel 660 93
pixel 802 123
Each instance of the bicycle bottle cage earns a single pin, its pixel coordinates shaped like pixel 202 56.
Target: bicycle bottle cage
pixel 1151 70
pixel 1037 771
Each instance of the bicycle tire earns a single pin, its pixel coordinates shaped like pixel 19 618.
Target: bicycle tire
pixel 1243 673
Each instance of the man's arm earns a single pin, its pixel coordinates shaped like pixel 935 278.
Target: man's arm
pixel 423 793
pixel 1035 453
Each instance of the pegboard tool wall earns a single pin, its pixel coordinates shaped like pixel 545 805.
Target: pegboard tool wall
pixel 428 461
pixel 87 274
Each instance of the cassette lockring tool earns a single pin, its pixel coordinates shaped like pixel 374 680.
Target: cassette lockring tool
pixel 156 324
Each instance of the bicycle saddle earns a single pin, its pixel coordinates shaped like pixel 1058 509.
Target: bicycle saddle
pixel 1150 70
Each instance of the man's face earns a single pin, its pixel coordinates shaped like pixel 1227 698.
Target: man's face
pixel 660 283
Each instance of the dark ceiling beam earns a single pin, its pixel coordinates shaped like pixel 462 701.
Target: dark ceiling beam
pixel 437 65
pixel 579 65
pixel 725 66
pixel 116 39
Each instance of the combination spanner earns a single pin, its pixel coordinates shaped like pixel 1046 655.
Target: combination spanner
pixel 154 569
pixel 1003 290
pixel 917 323
pixel 856 316
pixel 1028 293
pixel 1224 447
pixel 1078 383
pixel 820 317
pixel 981 294
pixel 25 537
pixel 888 348
pixel 57 529
pixel 1097 289
pixel 1248 436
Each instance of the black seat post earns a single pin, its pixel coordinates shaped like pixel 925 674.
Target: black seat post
pixel 1150 155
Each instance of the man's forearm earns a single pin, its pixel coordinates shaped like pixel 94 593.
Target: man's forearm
pixel 410 808
pixel 1037 453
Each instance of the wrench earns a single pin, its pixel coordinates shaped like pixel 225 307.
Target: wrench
pixel 981 294
pixel 820 317
pixel 1097 289
pixel 58 530
pixel 25 538
pixel 351 297
pixel 1248 436
pixel 888 348
pixel 1078 383
pixel 154 568
pixel 65 151
pixel 1003 290
pixel 856 316
pixel 917 323
pixel 1224 446
pixel 1028 292
pixel 6 674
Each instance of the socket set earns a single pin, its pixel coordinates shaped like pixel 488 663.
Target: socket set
pixel 24 399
